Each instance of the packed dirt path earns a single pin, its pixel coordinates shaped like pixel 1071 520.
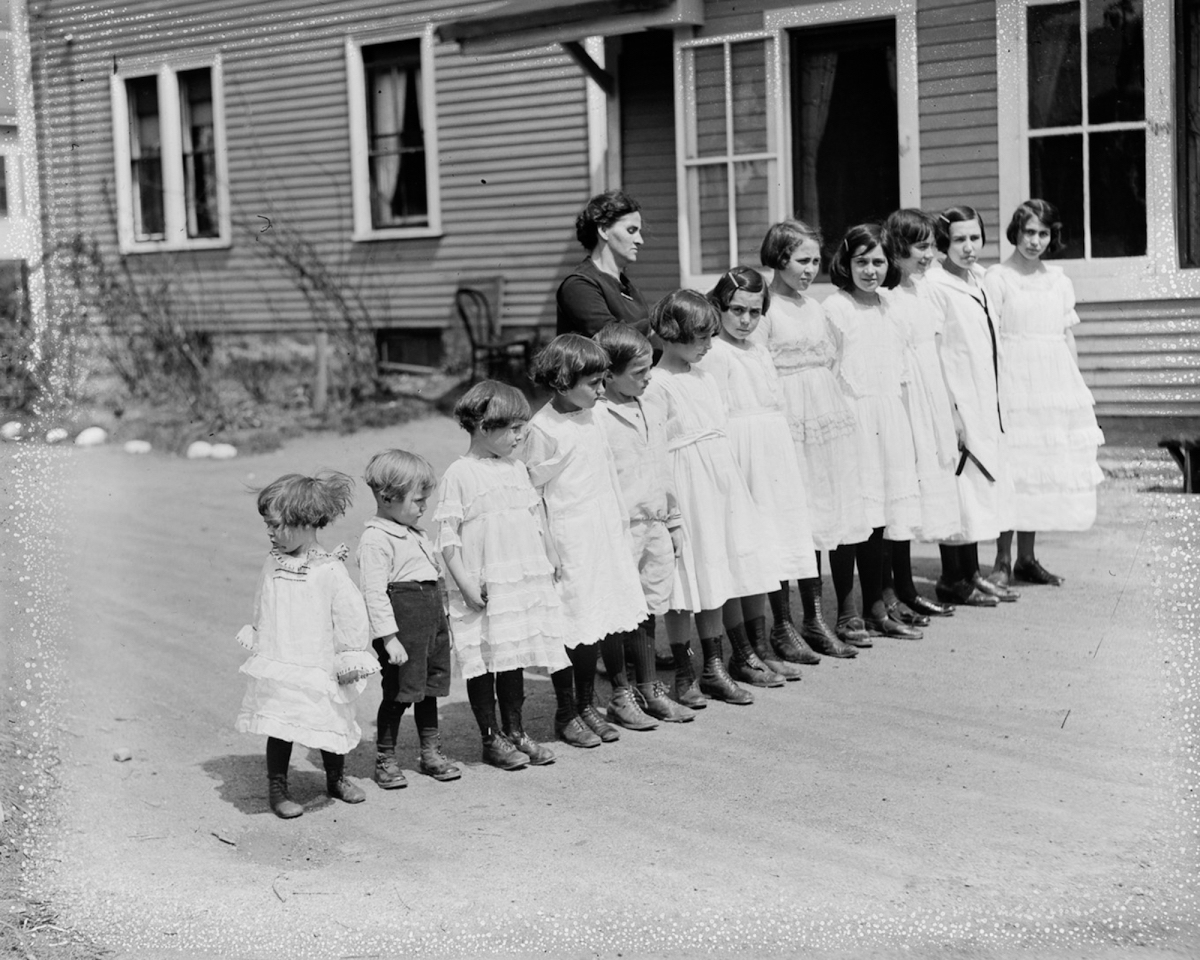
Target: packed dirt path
pixel 1014 785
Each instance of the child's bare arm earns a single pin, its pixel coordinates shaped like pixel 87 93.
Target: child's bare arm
pixel 474 593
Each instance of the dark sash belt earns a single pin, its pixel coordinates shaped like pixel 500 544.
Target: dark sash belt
pixel 962 462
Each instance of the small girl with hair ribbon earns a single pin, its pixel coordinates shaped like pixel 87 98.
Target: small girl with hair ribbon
pixel 309 639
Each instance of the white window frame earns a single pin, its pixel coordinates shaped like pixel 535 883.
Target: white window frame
pixel 685 113
pixel 776 23
pixel 360 172
pixel 1157 275
pixel 174 196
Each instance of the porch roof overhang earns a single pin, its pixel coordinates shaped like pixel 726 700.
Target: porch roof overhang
pixel 521 24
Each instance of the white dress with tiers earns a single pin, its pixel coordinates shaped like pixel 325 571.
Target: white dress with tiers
pixel 869 368
pixel 1048 416
pixel 490 511
pixel 310 626
pixel 762 444
pixel 732 547
pixel 571 465
pixel 802 346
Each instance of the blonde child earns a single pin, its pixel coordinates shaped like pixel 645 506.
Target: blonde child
pixel 505 614
pixel 762 443
pixel 638 441
pixel 918 316
pixel 572 467
pixel 869 369
pixel 402 585
pixel 308 642
pixel 797 334
pixel 732 551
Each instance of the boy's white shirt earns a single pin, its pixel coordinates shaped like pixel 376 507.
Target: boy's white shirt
pixel 390 552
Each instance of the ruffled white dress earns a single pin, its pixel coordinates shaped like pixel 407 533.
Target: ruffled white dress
pixel 571 465
pixel 869 368
pixel 489 509
pixel 801 344
pixel 1048 416
pixel 761 440
pixel 732 545
pixel 310 626
pixel 918 318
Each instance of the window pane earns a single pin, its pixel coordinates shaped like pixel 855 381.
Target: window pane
pixel 710 101
pixel 749 64
pixel 1054 65
pixel 145 151
pixel 395 133
pixel 1118 188
pixel 3 186
pixel 710 242
pixel 1187 123
pixel 199 152
pixel 1115 61
pixel 1056 174
pixel 752 187
pixel 845 132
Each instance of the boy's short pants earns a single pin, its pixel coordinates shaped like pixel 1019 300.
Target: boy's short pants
pixel 654 555
pixel 425 635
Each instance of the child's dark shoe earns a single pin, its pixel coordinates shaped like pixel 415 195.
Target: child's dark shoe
pixel 498 752
pixel 575 733
pixel 623 709
pixel 281 802
pixel 598 725
pixel 342 789
pixel 539 755
pixel 388 774
pixel 434 763
pixel 654 701
pixel 687 693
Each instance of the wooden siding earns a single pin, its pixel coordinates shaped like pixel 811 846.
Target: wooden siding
pixel 648 156
pixel 513 156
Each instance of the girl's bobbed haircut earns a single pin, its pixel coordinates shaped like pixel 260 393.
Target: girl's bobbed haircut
pixel 566 360
pixel 601 212
pixel 958 214
pixel 295 500
pixel 782 239
pixel 1045 211
pixel 623 343
pixel 864 235
pixel 739 278
pixel 394 474
pixel 909 226
pixel 684 315
pixel 491 405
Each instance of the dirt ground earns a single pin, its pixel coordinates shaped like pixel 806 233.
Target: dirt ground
pixel 1018 784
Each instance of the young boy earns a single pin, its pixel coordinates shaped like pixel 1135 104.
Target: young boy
pixel 639 447
pixel 401 583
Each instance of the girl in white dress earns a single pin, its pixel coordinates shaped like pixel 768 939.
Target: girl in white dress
pixel 918 318
pixel 573 469
pixel 761 439
pixel 310 639
pixel 869 369
pixel 801 342
pixel 970 364
pixel 732 548
pixel 1051 426
pixel 505 614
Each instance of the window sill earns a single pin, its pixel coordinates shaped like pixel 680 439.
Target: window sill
pixel 396 233
pixel 176 246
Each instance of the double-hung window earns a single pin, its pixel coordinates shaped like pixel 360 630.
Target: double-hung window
pixel 815 116
pixel 393 138
pixel 169 148
pixel 1089 121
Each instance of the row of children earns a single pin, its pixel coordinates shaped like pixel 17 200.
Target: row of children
pixel 694 488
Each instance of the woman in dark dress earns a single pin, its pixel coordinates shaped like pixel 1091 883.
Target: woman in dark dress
pixel 597 292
